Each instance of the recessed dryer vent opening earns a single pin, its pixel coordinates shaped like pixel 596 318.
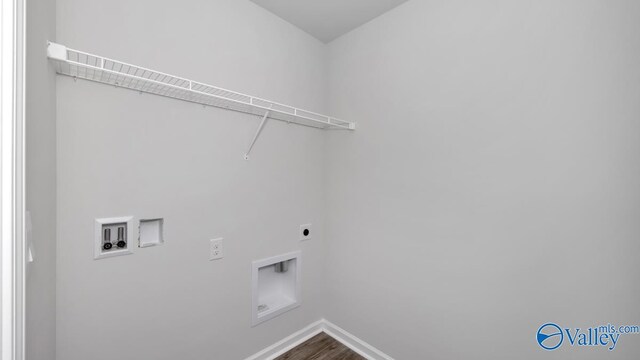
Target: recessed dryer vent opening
pixel 276 286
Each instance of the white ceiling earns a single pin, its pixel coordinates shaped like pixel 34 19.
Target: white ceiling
pixel 328 19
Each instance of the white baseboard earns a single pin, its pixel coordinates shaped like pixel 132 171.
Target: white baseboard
pixel 357 345
pixel 351 341
pixel 289 342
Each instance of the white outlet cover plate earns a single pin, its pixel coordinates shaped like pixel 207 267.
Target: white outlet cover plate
pixel 304 227
pixel 216 250
pixel 98 253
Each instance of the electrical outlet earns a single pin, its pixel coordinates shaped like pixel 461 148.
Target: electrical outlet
pixel 216 251
pixel 305 232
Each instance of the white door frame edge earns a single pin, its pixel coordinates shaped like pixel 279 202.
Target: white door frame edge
pixel 12 286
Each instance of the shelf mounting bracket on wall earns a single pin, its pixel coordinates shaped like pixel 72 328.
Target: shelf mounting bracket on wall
pixel 255 137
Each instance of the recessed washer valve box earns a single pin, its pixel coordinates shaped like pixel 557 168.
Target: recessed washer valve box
pixel 112 237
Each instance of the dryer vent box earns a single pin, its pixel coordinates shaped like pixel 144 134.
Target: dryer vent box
pixel 276 286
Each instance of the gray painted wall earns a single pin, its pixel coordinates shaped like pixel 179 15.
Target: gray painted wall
pixel 40 170
pixel 121 153
pixel 492 184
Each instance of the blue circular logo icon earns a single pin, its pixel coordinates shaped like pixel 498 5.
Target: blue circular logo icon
pixel 550 336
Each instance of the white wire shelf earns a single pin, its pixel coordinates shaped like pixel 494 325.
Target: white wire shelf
pixel 82 65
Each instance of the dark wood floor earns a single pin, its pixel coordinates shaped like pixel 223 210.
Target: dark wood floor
pixel 320 347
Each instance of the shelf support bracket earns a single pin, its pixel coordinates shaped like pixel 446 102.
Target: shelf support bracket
pixel 255 137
